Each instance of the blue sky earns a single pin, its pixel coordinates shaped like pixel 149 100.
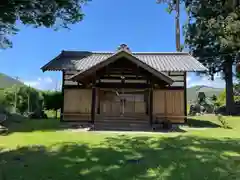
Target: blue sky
pixel 143 25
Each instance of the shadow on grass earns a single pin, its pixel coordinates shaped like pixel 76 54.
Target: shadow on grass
pixel 198 123
pixel 30 125
pixel 125 157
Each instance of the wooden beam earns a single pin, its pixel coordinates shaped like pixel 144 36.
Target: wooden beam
pixel 75 87
pixel 125 85
pixel 171 88
pixel 126 77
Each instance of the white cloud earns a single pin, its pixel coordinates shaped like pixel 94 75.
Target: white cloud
pixel 218 82
pixel 43 83
pixel 188 79
pixel 32 83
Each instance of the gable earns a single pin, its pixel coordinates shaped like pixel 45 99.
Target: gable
pixel 117 57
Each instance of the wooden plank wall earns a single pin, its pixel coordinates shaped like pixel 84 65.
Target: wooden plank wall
pixel 77 104
pixel 169 103
pixel 178 78
pixel 67 75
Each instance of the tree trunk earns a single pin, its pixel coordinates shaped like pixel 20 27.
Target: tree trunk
pixel 230 106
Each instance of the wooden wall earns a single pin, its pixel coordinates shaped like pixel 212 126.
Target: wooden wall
pixel 169 103
pixel 67 75
pixel 77 104
pixel 178 78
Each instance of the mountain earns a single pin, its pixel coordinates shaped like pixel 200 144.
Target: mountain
pixel 192 92
pixel 7 81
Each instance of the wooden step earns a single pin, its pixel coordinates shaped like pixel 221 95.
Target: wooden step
pixel 121 121
pixel 122 127
pixel 137 116
pixel 120 124
pixel 123 118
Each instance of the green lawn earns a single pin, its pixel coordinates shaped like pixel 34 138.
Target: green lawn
pixel 41 150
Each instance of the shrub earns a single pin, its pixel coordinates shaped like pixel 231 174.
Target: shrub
pixel 223 122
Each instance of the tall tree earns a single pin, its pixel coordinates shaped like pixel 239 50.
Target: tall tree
pixel 212 34
pixel 46 13
pixel 174 5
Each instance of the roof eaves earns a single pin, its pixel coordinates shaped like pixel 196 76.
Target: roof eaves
pixel 44 68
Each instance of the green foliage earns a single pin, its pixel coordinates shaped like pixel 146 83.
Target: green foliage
pixel 53 100
pixel 223 122
pixel 214 98
pixel 52 113
pixel 26 99
pixel 46 13
pixel 221 99
pixel 212 34
pixel 201 97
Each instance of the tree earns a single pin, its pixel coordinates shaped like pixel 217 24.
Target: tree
pixel 46 13
pixel 214 98
pixel 201 98
pixel 212 34
pixel 175 5
pixel 25 98
pixel 53 101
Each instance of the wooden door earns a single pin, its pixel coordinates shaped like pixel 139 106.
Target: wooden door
pixel 127 103
pixel 110 104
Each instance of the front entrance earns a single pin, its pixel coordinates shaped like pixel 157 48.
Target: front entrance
pixel 122 102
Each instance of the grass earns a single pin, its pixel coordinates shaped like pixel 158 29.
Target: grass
pixel 52 113
pixel 40 149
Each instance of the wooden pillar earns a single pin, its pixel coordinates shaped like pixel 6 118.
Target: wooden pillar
pixel 93 108
pixel 99 101
pixel 185 97
pixel 62 108
pixel 151 106
pixel 151 102
pixel 146 96
pixel 146 99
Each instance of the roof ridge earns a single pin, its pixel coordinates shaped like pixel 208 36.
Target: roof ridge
pixel 137 53
pixel 160 53
pixel 144 53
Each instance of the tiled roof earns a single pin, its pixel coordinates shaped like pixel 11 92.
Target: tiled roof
pixel 79 60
